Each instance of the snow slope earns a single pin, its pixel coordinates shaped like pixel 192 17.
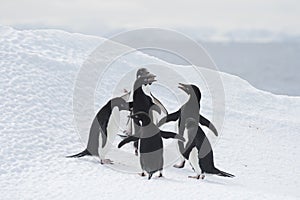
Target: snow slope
pixel 259 140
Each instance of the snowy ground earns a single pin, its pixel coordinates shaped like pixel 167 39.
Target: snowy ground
pixel 259 140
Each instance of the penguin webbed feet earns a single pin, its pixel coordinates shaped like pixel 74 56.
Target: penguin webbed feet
pixel 106 161
pixel 199 176
pixel 150 175
pixel 180 165
pixel 142 174
pixel 160 175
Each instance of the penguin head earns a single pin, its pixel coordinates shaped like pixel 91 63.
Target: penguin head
pixel 144 80
pixel 120 103
pixel 190 90
pixel 141 116
pixel 191 123
pixel 142 72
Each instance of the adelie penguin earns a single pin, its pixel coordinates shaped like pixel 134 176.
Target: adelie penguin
pixel 151 144
pixel 101 125
pixel 141 101
pixel 190 109
pixel 198 139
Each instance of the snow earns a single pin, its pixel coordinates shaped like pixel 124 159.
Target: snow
pixel 38 69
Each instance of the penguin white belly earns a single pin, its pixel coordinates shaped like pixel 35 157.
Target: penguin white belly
pixel 194 160
pixel 112 130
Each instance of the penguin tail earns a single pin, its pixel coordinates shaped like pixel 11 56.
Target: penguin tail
pixel 81 154
pixel 224 174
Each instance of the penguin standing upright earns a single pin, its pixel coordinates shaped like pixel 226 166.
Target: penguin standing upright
pixel 151 145
pixel 189 110
pixel 198 139
pixel 142 102
pixel 101 124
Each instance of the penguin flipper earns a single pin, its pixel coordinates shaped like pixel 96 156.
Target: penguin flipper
pixel 104 139
pixel 171 117
pixel 81 154
pixel 205 122
pixel 168 134
pixel 103 131
pixel 156 108
pixel 159 104
pixel 127 140
pixel 187 151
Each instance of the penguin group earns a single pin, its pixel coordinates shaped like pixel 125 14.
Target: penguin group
pixel 147 136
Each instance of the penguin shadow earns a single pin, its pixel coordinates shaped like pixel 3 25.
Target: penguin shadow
pixel 216 180
pixel 88 159
pixel 164 179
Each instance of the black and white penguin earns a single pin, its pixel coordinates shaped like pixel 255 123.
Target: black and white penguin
pixel 190 109
pixel 141 101
pixel 198 139
pixel 103 124
pixel 151 144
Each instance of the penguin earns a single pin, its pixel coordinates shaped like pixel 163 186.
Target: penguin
pixel 101 125
pixel 198 139
pixel 151 144
pixel 141 72
pixel 142 102
pixel 189 110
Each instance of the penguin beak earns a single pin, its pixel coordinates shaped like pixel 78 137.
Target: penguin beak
pixel 183 87
pixel 150 78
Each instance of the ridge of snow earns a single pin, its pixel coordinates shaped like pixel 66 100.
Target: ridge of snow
pixel 259 141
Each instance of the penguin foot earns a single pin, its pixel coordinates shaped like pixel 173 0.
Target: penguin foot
pixel 160 175
pixel 142 174
pixel 106 161
pixel 181 165
pixel 127 132
pixel 150 176
pixel 201 176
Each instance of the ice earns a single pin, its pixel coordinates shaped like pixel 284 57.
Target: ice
pixel 258 142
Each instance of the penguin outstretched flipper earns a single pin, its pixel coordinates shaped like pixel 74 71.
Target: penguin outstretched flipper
pixel 167 135
pixel 127 140
pixel 81 154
